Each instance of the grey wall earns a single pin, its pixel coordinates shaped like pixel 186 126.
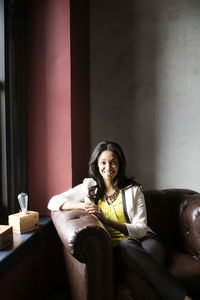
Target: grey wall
pixel 145 86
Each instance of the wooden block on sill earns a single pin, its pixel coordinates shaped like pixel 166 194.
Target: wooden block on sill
pixel 24 223
pixel 6 236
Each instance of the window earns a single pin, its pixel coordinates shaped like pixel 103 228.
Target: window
pixel 14 170
pixel 3 181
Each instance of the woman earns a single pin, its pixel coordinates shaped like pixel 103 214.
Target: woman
pixel 119 203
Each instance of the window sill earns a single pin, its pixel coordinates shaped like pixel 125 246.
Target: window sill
pixel 22 244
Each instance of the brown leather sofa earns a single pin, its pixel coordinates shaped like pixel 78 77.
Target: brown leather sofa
pixel 174 214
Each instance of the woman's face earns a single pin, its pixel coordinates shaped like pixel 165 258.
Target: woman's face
pixel 108 165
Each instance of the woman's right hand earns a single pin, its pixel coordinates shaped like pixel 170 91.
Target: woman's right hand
pixel 92 208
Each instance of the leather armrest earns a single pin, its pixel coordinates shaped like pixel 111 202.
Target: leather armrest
pixel 88 254
pixel 78 230
pixel 190 224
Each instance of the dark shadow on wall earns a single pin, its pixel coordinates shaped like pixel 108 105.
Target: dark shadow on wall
pixel 143 93
pixel 124 50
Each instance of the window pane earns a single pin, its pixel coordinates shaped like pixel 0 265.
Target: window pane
pixel 3 171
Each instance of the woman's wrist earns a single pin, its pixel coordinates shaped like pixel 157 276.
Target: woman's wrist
pixel 106 221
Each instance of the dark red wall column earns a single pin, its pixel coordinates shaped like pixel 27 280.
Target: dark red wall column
pixel 49 100
pixel 58 97
pixel 80 89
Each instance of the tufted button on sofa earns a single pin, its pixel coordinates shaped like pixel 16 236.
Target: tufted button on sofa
pixel 174 214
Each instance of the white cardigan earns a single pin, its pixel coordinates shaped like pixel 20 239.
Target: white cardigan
pixel 133 205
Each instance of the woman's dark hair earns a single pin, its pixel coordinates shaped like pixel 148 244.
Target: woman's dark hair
pixel 121 181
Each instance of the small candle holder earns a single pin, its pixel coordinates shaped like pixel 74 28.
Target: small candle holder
pixel 24 221
pixel 23 203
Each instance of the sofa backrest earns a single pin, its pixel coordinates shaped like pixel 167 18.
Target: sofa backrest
pixel 172 214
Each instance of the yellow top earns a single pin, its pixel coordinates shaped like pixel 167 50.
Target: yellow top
pixel 114 212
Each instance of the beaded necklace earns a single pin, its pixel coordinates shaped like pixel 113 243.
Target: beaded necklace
pixel 110 199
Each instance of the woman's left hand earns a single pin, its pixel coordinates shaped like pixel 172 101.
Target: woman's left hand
pixel 92 208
